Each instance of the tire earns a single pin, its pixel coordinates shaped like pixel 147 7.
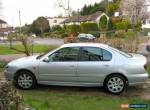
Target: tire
pixel 148 48
pixel 115 84
pixel 25 80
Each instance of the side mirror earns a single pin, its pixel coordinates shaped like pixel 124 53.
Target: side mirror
pixel 46 59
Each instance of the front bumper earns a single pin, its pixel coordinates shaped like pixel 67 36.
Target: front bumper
pixel 8 75
pixel 138 79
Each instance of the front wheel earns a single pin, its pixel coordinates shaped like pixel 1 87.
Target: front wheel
pixel 25 80
pixel 115 84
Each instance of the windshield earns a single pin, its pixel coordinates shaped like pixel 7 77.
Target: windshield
pixel 122 53
pixel 41 55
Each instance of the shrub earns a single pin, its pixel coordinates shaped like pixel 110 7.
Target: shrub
pixel 3 64
pixel 120 34
pixel 130 34
pixel 103 23
pixel 124 24
pixel 86 27
pixel 64 35
pixel 55 35
pixel 56 28
pixel 46 34
pixel 95 33
pixel 74 29
pixel 110 29
pixel 9 97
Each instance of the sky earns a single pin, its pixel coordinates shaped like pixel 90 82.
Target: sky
pixel 31 9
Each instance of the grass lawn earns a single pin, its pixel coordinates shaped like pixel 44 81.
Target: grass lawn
pixel 5 50
pixel 77 100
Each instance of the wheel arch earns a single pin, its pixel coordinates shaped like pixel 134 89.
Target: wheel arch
pixel 18 71
pixel 126 79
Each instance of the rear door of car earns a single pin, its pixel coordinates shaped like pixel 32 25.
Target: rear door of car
pixel 94 63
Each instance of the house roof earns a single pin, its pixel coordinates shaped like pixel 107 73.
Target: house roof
pixel 56 17
pixel 1 21
pixel 91 17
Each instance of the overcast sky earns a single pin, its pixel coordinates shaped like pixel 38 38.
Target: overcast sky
pixel 31 9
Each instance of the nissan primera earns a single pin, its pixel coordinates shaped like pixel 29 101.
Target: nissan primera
pixel 80 64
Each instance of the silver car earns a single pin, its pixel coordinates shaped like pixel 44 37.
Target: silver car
pixel 80 64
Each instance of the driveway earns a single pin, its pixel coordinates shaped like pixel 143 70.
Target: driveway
pixel 47 41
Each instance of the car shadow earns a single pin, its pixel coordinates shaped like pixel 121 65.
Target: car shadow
pixel 130 92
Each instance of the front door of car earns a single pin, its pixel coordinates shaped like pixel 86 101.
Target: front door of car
pixel 61 66
pixel 94 63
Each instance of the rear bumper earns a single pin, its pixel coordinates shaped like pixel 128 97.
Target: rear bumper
pixel 138 79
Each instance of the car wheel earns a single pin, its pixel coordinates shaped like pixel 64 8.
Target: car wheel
pixel 115 84
pixel 25 80
pixel 148 48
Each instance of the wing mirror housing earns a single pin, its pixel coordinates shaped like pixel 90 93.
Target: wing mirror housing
pixel 46 59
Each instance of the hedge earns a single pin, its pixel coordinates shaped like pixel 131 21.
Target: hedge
pixel 86 27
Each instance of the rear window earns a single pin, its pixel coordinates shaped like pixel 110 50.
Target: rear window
pixel 122 53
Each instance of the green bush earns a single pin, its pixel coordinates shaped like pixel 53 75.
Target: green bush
pixel 3 64
pixel 55 35
pixel 130 34
pixel 103 23
pixel 110 29
pixel 64 35
pixel 124 24
pixel 46 34
pixel 86 27
pixel 94 33
pixel 56 28
pixel 74 29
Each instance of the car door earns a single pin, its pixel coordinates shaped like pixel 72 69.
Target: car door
pixel 61 67
pixel 94 63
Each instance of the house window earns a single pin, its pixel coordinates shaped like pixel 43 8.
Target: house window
pixel 55 21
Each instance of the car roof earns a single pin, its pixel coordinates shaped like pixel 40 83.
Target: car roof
pixel 85 44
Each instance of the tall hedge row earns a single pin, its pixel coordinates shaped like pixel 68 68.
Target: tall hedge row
pixel 86 27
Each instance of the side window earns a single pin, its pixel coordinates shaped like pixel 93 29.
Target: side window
pixel 65 54
pixel 94 54
pixel 91 54
pixel 107 56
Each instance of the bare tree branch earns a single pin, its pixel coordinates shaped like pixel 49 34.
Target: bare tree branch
pixel 135 10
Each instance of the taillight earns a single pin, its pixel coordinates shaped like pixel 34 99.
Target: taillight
pixel 145 66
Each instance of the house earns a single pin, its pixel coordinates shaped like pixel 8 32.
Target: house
pixel 95 17
pixel 53 21
pixel 5 29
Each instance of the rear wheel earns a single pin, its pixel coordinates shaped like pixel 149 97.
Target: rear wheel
pixel 25 80
pixel 115 84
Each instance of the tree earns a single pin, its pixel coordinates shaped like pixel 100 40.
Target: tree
pixel 134 10
pixel 113 6
pixel 26 41
pixel 86 10
pixel 62 4
pixel 40 25
pixel 103 23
